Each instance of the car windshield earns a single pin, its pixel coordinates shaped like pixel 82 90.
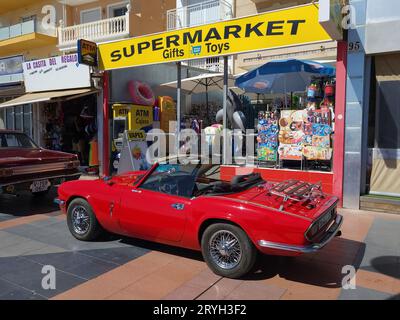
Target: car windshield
pixel 196 179
pixel 16 140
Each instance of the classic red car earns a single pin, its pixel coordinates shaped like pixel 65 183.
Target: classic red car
pixel 188 206
pixel 26 167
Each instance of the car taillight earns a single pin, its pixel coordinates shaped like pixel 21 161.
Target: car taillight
pixel 319 224
pixel 72 165
pixel 6 173
pixel 313 231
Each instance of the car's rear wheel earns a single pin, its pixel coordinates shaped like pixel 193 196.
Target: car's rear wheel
pixel 82 222
pixel 227 250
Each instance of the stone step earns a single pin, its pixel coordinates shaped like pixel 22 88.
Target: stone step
pixel 371 203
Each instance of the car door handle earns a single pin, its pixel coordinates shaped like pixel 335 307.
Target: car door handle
pixel 136 191
pixel 178 206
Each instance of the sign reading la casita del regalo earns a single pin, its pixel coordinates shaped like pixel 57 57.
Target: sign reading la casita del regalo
pixel 281 28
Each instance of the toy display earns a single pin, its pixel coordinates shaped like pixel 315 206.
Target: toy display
pixel 267 139
pixel 291 134
pixel 317 145
pixel 299 134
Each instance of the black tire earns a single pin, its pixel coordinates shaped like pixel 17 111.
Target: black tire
pixel 248 251
pixel 92 229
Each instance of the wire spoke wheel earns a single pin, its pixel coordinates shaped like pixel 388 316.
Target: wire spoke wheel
pixel 225 249
pixel 80 220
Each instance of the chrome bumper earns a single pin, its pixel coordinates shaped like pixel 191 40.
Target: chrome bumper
pixel 329 235
pixel 59 202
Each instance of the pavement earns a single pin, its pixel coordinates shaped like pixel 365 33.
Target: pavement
pixel 34 234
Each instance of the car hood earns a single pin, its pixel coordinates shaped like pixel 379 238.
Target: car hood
pixel 10 157
pixel 260 196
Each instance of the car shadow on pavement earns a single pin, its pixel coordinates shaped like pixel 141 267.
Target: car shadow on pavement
pixel 322 269
pixel 387 265
pixel 27 204
pixel 177 251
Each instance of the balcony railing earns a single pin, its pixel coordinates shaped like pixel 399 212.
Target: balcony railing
pixel 197 14
pixel 24 28
pixel 98 31
pixel 215 64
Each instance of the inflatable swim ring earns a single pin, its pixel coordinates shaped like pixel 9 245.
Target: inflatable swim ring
pixel 141 93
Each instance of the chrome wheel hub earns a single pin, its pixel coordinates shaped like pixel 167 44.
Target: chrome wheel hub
pixel 225 250
pixel 80 220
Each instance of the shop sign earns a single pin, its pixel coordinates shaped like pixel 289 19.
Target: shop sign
pixel 281 28
pixel 137 135
pixel 87 52
pixel 56 73
pixel 142 117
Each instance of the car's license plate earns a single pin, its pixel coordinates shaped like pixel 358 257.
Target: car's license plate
pixel 39 186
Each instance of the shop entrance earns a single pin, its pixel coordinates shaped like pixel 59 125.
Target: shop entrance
pixel 71 126
pixel 383 185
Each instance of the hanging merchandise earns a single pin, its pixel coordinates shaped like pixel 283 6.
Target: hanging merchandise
pixel 312 92
pixel 329 90
pixel 291 134
pixel 267 139
pixel 141 93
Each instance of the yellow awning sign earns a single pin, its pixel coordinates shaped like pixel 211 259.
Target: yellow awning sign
pixel 281 28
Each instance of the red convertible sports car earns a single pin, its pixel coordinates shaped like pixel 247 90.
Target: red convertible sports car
pixel 188 206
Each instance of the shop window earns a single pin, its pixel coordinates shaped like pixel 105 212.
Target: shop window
pixel 19 118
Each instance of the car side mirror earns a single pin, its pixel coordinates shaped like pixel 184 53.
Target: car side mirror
pixel 108 180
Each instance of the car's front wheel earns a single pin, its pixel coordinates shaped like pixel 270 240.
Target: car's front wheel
pixel 82 222
pixel 227 250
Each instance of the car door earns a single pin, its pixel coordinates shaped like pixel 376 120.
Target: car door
pixel 153 215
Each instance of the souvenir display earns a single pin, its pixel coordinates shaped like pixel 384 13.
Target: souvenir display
pixel 317 153
pixel 267 139
pixel 290 152
pixel 291 134
pixel 317 145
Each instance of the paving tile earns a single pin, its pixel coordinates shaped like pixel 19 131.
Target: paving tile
pixel 28 274
pixel 384 234
pixel 378 281
pixel 48 249
pixel 161 282
pixel 9 291
pixel 363 294
pixel 21 221
pixel 355 225
pixel 74 263
pixel 310 292
pixel 250 290
pixel 21 248
pixel 184 292
pixel 8 239
pixel 119 255
pixel 221 289
pixel 119 278
pixel 374 256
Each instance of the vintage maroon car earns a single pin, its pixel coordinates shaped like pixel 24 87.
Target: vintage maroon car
pixel 188 206
pixel 26 167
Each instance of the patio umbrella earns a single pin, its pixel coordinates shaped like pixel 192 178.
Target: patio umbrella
pixel 202 84
pixel 283 76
